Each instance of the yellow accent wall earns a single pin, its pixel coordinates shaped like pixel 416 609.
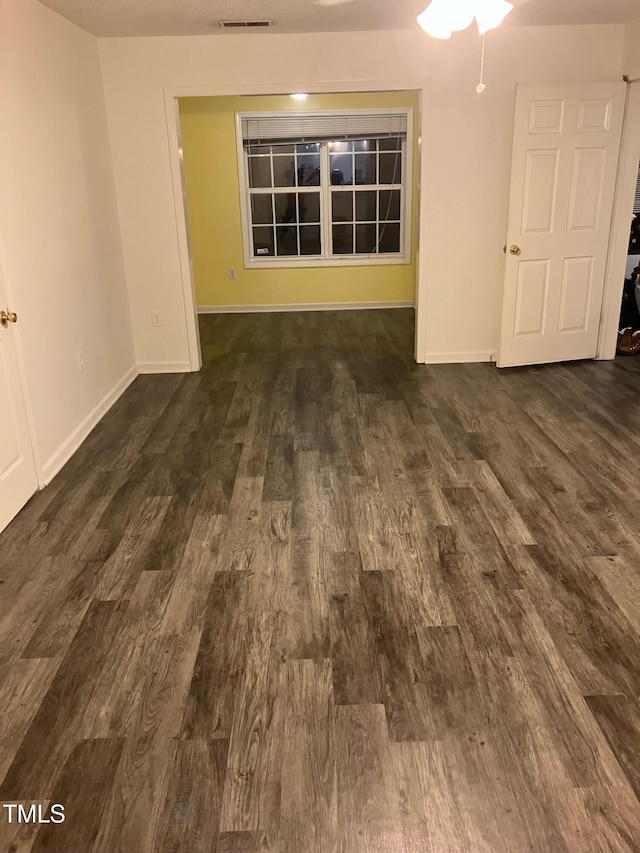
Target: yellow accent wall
pixel 213 209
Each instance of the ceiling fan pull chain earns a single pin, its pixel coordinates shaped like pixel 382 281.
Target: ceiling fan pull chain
pixel 481 87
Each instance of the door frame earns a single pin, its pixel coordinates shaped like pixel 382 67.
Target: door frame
pixel 172 115
pixel 619 236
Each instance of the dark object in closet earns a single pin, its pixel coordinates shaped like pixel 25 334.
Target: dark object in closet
pixel 634 238
pixel 629 325
pixel 628 342
pixel 629 313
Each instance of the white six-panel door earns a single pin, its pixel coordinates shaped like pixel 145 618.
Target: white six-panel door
pixel 18 479
pixel 563 175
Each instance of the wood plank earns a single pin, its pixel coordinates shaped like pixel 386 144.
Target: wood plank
pixel 619 720
pixel 356 670
pixel 278 479
pixel 309 756
pixel 82 789
pixel 220 661
pixel 134 810
pixel 191 813
pixel 368 801
pixel 251 799
pixel 240 544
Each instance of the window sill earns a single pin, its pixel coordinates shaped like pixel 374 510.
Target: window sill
pixel 320 263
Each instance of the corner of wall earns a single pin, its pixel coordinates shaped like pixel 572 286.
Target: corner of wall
pixel 66 450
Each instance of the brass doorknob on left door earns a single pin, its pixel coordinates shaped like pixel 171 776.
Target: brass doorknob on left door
pixel 7 317
pixel 515 250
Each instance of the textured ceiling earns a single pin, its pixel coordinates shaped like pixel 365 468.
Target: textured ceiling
pixel 200 17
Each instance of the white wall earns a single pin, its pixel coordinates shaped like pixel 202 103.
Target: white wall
pixel 467 157
pixel 632 50
pixel 63 262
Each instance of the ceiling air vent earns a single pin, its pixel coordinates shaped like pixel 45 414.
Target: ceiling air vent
pixel 234 25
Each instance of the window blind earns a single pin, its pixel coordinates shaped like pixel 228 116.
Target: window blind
pixel 311 126
pixel 636 203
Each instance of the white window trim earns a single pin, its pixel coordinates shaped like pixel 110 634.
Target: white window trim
pixel 327 260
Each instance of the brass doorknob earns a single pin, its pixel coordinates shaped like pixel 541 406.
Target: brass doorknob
pixel 7 317
pixel 515 250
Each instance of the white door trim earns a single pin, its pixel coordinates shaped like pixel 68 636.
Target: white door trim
pixel 622 212
pixel 171 95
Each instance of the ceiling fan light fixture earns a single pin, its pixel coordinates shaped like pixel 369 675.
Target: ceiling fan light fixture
pixel 491 13
pixel 443 17
pixel 432 26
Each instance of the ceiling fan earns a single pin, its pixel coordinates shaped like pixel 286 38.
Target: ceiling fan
pixel 453 4
pixel 441 18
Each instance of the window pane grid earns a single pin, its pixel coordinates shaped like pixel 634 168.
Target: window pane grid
pixel 287 241
pixel 369 162
pixel 286 223
pixel 292 187
pixel 368 219
pixel 299 168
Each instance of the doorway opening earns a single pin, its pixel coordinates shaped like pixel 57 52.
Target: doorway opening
pixel 629 325
pixel 237 192
pixel 301 209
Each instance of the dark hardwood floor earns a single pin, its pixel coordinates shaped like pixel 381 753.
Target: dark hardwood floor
pixel 319 599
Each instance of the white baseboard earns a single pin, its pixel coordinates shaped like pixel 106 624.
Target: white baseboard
pixel 458 357
pixel 69 447
pixel 302 306
pixel 164 367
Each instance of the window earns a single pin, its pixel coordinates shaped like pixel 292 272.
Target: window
pixel 284 194
pixel 325 188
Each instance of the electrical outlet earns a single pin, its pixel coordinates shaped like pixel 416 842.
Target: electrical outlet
pixel 232 274
pixel 80 360
pixel 156 321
